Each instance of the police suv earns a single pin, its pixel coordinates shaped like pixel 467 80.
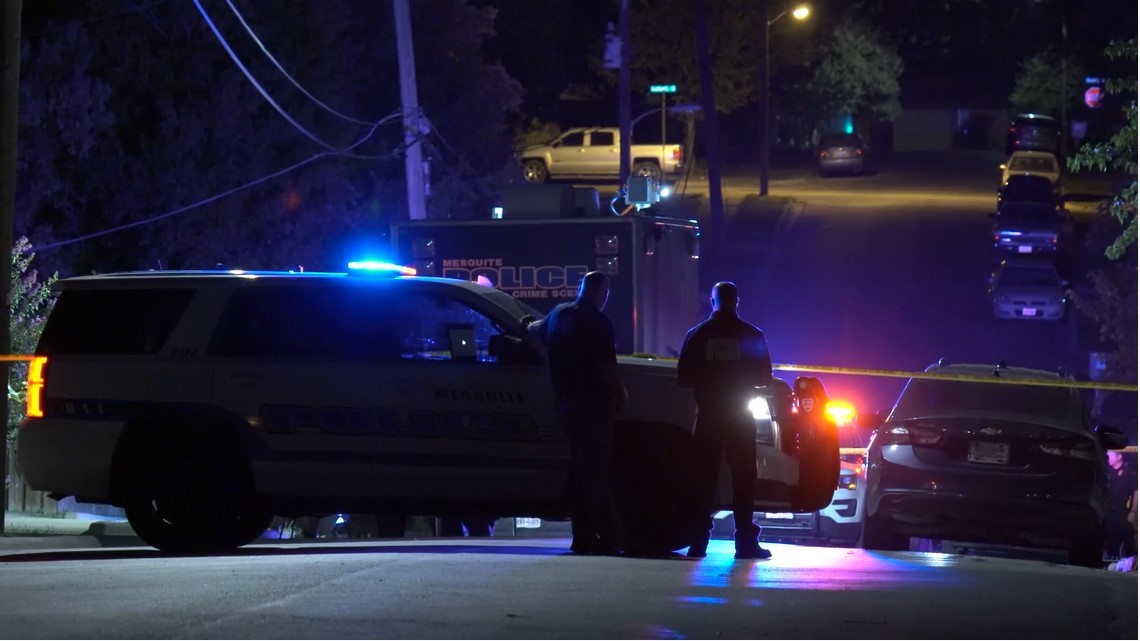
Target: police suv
pixel 204 403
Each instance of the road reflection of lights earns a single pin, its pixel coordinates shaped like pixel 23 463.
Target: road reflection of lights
pixel 703 600
pixel 649 631
pixel 815 568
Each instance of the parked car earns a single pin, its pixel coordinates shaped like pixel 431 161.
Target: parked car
pixel 843 153
pixel 1033 132
pixel 595 152
pixel 1028 228
pixel 1032 163
pixel 1000 462
pixel 1027 188
pixel 1029 289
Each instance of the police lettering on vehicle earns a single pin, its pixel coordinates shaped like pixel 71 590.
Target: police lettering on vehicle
pixel 524 281
pixel 478 395
pixel 386 422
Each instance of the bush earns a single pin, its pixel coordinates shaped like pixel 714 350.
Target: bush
pixel 28 305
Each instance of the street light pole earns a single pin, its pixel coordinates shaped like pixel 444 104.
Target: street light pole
pixel 764 98
pixel 799 13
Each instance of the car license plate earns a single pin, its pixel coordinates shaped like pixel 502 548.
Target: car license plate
pixel 841 153
pixel 988 452
pixel 1025 249
pixel 779 515
pixel 1028 311
pixel 524 522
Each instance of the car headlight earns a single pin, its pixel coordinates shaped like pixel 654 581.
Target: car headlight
pixel 759 408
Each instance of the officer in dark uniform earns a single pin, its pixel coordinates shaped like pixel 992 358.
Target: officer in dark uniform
pixel 588 392
pixel 723 359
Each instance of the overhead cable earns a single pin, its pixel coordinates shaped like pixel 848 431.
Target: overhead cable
pixel 284 114
pixel 285 73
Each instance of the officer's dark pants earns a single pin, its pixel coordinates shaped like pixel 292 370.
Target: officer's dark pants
pixel 730 436
pixel 588 424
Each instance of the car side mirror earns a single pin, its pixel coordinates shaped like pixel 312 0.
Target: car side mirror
pixel 1111 437
pixel 512 350
pixel 871 421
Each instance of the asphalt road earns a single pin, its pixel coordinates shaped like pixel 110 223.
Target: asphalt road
pixel 887 271
pixel 530 589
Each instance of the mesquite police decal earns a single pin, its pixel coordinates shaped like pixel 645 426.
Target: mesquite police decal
pixel 521 281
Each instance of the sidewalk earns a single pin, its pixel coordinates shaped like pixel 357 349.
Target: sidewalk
pixel 73 530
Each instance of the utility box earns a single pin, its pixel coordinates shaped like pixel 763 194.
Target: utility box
pixel 652 263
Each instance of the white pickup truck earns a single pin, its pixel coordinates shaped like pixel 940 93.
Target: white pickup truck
pixel 596 152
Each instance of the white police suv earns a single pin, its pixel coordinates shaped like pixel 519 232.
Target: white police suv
pixel 204 403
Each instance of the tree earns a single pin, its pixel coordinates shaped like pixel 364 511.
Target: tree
pixel 665 49
pixel 31 300
pixel 853 71
pixel 146 113
pixel 1038 85
pixel 1113 303
pixel 1118 153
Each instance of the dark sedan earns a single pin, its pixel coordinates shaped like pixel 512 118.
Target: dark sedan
pixel 988 462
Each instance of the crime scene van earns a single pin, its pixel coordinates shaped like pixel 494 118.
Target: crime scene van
pixel 545 242
pixel 206 402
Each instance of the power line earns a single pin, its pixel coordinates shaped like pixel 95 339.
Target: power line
pixel 284 114
pixel 219 196
pixel 285 73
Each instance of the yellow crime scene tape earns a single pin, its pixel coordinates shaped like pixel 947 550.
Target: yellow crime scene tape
pixel 1004 379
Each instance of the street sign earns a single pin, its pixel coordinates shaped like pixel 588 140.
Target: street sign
pixel 662 88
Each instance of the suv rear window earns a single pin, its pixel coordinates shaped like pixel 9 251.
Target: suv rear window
pixel 113 321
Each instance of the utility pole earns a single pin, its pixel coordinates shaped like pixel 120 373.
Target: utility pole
pixel 624 125
pixel 9 125
pixel 764 118
pixel 413 156
pixel 715 260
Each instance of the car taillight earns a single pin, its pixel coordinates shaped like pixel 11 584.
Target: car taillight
pixel 914 435
pixel 677 154
pixel 35 408
pixel 823 154
pixel 858 152
pixel 1082 451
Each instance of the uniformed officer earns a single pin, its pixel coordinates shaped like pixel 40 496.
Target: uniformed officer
pixel 589 393
pixel 723 359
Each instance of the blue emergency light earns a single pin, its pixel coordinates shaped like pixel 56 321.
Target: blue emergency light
pixel 380 268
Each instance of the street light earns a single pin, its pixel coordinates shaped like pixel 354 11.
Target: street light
pixel 800 12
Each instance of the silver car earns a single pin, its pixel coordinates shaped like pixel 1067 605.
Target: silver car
pixel 1028 289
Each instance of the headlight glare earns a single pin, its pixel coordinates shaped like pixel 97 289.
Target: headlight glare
pixel 759 408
